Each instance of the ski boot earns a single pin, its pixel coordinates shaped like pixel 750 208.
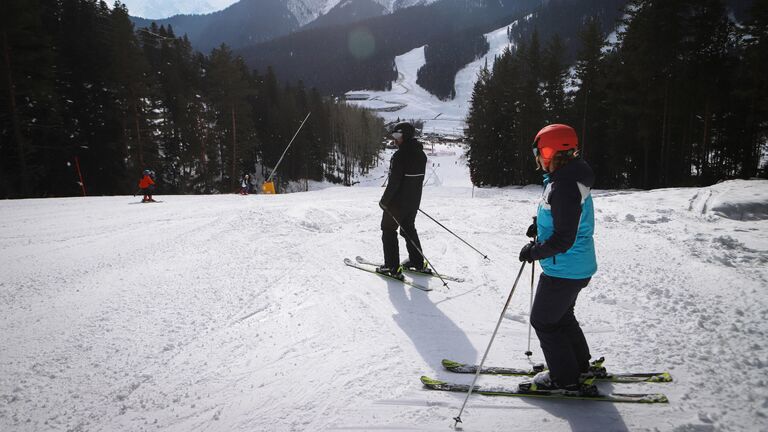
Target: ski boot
pixel 396 272
pixel 417 267
pixel 542 382
pixel 595 370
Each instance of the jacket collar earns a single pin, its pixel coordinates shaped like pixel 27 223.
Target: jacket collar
pixel 411 144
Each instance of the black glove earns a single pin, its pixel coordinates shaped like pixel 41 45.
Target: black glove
pixel 532 231
pixel 525 252
pixel 382 205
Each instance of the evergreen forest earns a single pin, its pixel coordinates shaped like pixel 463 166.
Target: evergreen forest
pixel 88 101
pixel 445 57
pixel 680 98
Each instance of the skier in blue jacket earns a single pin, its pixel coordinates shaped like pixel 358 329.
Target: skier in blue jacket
pixel 565 249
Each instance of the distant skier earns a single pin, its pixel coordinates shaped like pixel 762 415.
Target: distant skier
pixel 147 185
pixel 244 184
pixel 401 201
pixel 566 252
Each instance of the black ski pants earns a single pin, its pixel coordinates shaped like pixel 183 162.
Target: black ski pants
pixel 561 338
pixel 407 230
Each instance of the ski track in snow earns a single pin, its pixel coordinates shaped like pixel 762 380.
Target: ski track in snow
pixel 236 313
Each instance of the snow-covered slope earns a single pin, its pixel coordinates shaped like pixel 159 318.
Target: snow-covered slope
pixel 232 313
pixel 408 100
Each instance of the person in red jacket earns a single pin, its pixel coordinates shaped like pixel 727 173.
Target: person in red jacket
pixel 147 186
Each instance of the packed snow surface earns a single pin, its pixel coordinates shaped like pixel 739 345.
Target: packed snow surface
pixel 235 313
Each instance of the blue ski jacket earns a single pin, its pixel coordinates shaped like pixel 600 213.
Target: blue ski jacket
pixel 566 223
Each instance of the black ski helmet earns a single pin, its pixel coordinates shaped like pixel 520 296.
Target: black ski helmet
pixel 406 129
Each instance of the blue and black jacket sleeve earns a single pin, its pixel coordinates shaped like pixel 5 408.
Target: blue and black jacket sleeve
pixel 565 203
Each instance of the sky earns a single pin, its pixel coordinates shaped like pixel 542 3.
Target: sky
pixel 166 8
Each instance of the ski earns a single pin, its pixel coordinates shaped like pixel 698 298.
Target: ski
pixel 506 391
pixel 362 260
pixel 351 263
pixel 654 377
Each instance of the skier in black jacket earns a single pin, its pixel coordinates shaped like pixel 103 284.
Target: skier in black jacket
pixel 401 201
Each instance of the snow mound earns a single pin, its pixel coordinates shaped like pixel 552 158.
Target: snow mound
pixel 745 200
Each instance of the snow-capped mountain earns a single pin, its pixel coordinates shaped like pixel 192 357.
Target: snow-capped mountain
pixel 158 9
pixel 242 23
pixel 307 11
pixel 245 22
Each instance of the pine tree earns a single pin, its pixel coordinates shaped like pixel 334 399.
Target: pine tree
pixel 478 131
pixel 530 107
pixel 28 109
pixel 649 47
pixel 591 112
pixel 554 72
pixel 91 116
pixel 227 81
pixel 129 71
pixel 752 90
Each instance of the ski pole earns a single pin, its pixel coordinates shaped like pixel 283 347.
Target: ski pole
pixel 444 227
pixel 445 284
pixel 529 353
pixel 480 367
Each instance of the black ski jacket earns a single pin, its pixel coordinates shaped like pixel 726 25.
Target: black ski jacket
pixel 406 175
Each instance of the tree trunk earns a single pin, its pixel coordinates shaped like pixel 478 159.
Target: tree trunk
pixel 203 153
pixel 663 162
pixel 646 152
pixel 234 145
pixel 20 145
pixel 751 161
pixel 705 141
pixel 584 125
pixel 138 132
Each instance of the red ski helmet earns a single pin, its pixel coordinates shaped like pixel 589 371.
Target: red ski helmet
pixel 552 139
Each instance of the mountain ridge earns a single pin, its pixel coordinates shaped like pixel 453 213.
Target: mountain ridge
pixel 249 22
